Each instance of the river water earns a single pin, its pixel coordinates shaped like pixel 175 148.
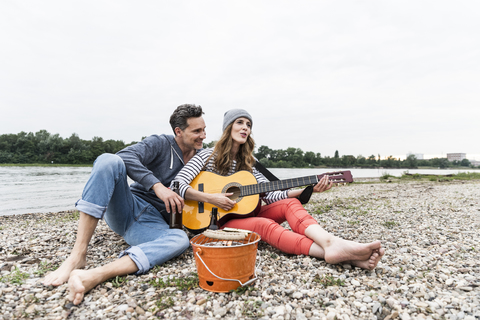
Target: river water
pixel 52 189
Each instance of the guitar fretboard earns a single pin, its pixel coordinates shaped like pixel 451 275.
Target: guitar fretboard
pixel 277 185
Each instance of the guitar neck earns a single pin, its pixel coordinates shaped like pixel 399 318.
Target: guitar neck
pixel 335 177
pixel 279 185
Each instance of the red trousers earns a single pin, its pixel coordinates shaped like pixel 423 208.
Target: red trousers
pixel 267 225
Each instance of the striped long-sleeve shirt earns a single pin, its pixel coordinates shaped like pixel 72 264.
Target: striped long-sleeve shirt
pixel 199 163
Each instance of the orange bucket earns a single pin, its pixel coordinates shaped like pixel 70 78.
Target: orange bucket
pixel 224 265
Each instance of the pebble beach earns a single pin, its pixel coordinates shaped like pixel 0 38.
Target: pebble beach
pixel 431 268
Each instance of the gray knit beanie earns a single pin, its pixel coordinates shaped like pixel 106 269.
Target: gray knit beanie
pixel 232 115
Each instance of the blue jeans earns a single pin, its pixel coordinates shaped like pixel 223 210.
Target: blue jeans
pixel 107 195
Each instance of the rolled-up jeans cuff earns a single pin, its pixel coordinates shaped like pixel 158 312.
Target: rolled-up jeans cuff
pixel 138 257
pixel 91 209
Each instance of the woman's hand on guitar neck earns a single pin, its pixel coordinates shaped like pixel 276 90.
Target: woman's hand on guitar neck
pixel 323 185
pixel 221 200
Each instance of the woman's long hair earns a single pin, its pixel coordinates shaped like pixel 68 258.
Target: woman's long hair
pixel 223 158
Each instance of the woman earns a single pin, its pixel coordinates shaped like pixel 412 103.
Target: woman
pixel 234 152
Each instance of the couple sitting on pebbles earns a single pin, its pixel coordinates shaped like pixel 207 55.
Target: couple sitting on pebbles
pixel 140 213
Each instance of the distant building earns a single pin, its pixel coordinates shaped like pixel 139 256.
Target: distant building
pixel 456 156
pixel 418 156
pixel 475 163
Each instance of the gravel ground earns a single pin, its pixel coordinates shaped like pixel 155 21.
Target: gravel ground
pixel 431 269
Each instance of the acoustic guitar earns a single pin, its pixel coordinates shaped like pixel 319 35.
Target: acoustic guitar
pixel 246 192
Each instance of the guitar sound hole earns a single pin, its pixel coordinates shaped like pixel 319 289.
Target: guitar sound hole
pixel 236 193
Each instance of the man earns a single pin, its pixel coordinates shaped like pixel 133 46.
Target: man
pixel 140 213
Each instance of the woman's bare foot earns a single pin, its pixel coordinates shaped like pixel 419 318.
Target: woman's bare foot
pixel 80 282
pixel 371 263
pixel 340 250
pixel 61 275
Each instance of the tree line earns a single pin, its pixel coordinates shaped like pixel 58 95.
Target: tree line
pixel 296 158
pixel 42 147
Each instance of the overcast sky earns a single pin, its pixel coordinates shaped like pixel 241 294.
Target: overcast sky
pixel 360 77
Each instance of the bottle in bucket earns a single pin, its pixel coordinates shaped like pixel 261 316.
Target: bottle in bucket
pixel 175 217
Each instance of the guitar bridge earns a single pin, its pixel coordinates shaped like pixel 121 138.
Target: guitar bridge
pixel 201 207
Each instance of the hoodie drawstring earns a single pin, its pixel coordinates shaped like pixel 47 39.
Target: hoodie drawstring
pixel 171 157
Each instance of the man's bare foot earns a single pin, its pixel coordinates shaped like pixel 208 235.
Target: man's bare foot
pixel 371 263
pixel 80 282
pixel 341 250
pixel 61 275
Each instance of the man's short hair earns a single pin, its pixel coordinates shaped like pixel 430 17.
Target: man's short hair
pixel 180 116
